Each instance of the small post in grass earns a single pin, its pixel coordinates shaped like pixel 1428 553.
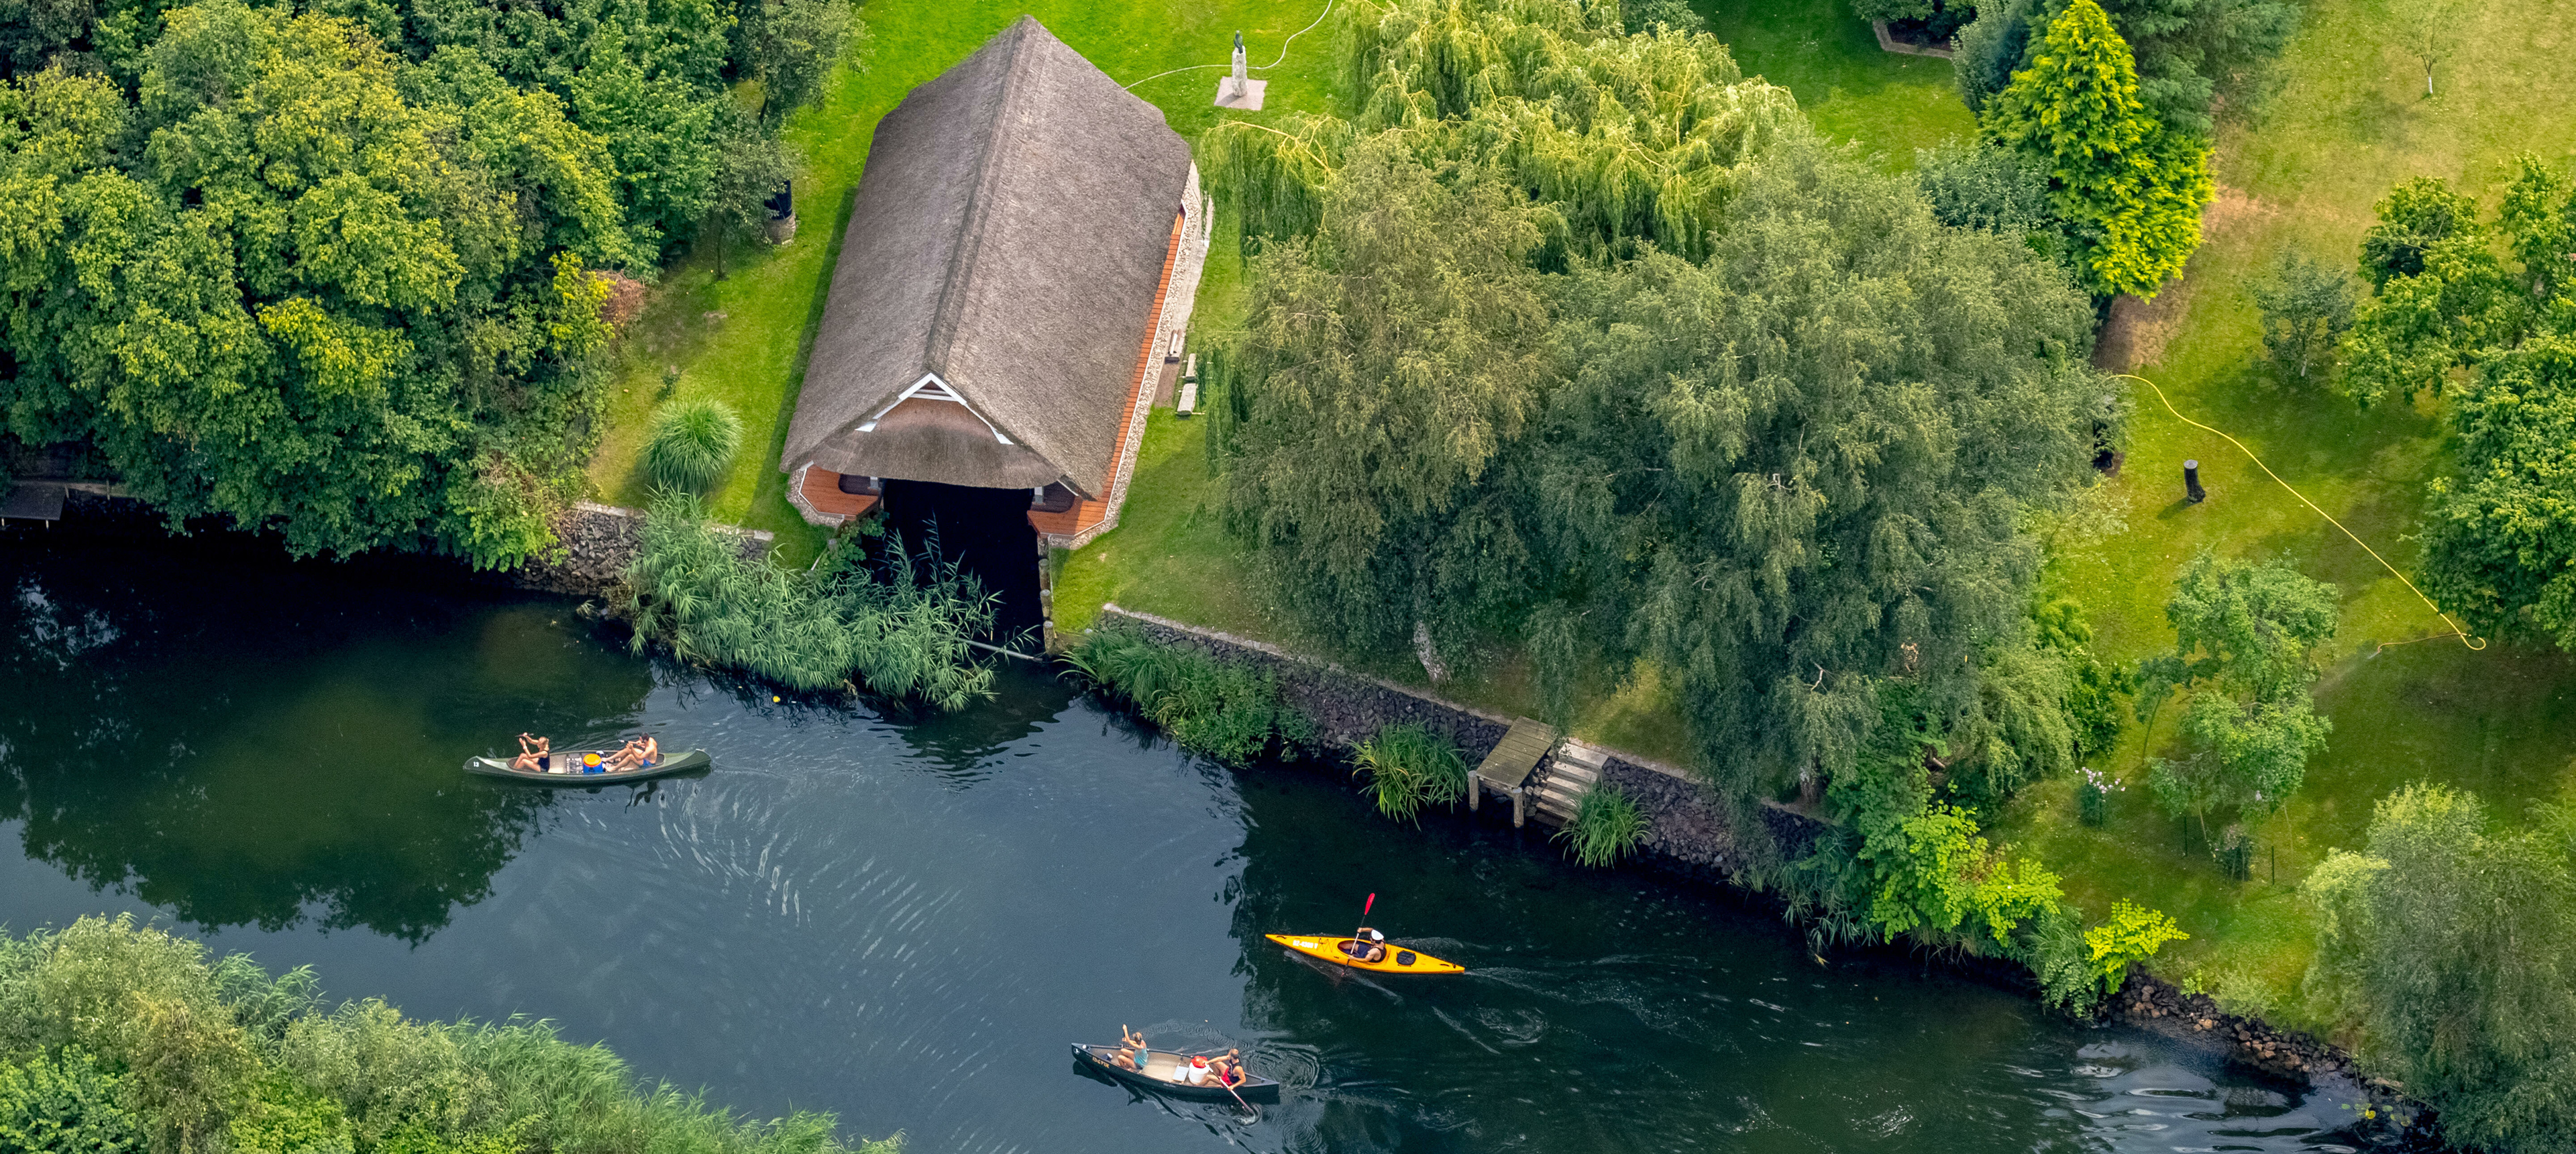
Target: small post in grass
pixel 2191 483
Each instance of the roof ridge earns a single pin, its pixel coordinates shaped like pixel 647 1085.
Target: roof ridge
pixel 1008 112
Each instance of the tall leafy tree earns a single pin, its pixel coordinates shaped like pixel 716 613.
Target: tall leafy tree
pixel 790 47
pixel 307 301
pixel 2453 944
pixel 2133 187
pixel 2245 644
pixel 1797 472
pixel 1625 140
pixel 2194 55
pixel 2486 317
pixel 1400 350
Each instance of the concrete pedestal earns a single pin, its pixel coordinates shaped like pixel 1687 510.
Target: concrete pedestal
pixel 1248 100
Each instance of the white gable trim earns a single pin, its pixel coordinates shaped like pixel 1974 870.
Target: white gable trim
pixel 931 388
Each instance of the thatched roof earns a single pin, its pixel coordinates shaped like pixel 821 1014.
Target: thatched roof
pixel 1008 235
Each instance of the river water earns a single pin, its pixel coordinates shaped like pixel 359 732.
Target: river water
pixel 905 919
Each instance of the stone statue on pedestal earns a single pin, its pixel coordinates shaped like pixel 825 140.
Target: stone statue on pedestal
pixel 1239 90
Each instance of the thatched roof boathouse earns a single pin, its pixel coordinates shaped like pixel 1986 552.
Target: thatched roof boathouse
pixel 1023 246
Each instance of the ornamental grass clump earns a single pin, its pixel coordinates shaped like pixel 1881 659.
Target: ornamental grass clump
pixel 1226 710
pixel 1607 826
pixel 692 444
pixel 1409 767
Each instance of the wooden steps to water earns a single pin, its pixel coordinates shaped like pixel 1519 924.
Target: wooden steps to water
pixel 1561 786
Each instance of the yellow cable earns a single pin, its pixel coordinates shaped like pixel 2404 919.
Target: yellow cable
pixel 2474 643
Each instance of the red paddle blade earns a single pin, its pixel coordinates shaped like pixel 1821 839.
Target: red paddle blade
pixel 1367 905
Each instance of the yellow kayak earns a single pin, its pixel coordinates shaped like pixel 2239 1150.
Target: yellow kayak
pixel 1397 960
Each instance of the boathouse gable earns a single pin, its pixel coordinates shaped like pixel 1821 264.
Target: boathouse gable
pixel 1003 292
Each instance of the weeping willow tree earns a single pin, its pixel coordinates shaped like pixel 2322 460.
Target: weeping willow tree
pixel 1625 140
pixel 1581 341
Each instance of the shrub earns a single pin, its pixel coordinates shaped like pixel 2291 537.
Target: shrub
pixel 2093 796
pixel 2133 934
pixel 692 444
pixel 1409 767
pixel 2055 950
pixel 1223 709
pixel 1607 826
pixel 1653 15
pixel 64 1102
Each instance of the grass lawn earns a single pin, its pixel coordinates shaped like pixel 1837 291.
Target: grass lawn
pixel 2351 122
pixel 1849 87
pixel 742 339
pixel 1170 554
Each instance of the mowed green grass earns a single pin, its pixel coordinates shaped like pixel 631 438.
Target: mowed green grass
pixel 2350 122
pixel 1849 87
pixel 743 339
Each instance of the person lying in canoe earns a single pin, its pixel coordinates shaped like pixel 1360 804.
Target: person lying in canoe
pixel 532 754
pixel 1131 1052
pixel 1369 946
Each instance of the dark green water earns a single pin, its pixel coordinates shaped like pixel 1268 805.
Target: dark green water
pixel 905 920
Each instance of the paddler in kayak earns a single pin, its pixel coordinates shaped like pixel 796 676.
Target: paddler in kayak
pixel 1369 946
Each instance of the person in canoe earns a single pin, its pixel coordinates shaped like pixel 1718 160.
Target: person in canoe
pixel 1369 946
pixel 637 753
pixel 533 753
pixel 1227 1070
pixel 1131 1052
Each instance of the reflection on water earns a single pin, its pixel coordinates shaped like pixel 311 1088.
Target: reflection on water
pixel 275 745
pixel 904 919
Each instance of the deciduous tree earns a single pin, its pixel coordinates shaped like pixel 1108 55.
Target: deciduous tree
pixel 2306 309
pixel 2245 642
pixel 310 301
pixel 2454 945
pixel 1399 351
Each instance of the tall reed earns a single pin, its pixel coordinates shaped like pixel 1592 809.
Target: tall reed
pixel 1226 710
pixel 874 620
pixel 1408 767
pixel 1607 826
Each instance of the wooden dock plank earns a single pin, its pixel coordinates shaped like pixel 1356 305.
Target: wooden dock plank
pixel 1509 765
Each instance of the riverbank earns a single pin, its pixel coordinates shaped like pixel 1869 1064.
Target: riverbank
pixel 597 542
pixel 889 915
pixel 1690 841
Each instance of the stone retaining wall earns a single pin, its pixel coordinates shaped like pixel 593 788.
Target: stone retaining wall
pixel 1687 832
pixel 599 542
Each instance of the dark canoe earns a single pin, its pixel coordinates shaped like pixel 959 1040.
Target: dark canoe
pixel 1164 1062
pixel 571 758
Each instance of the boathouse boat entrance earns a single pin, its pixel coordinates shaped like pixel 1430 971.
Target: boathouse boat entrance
pixel 1022 252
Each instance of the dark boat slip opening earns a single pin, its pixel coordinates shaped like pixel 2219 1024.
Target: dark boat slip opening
pixel 986 532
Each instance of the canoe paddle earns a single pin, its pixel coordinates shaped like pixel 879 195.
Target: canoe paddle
pixel 1229 1086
